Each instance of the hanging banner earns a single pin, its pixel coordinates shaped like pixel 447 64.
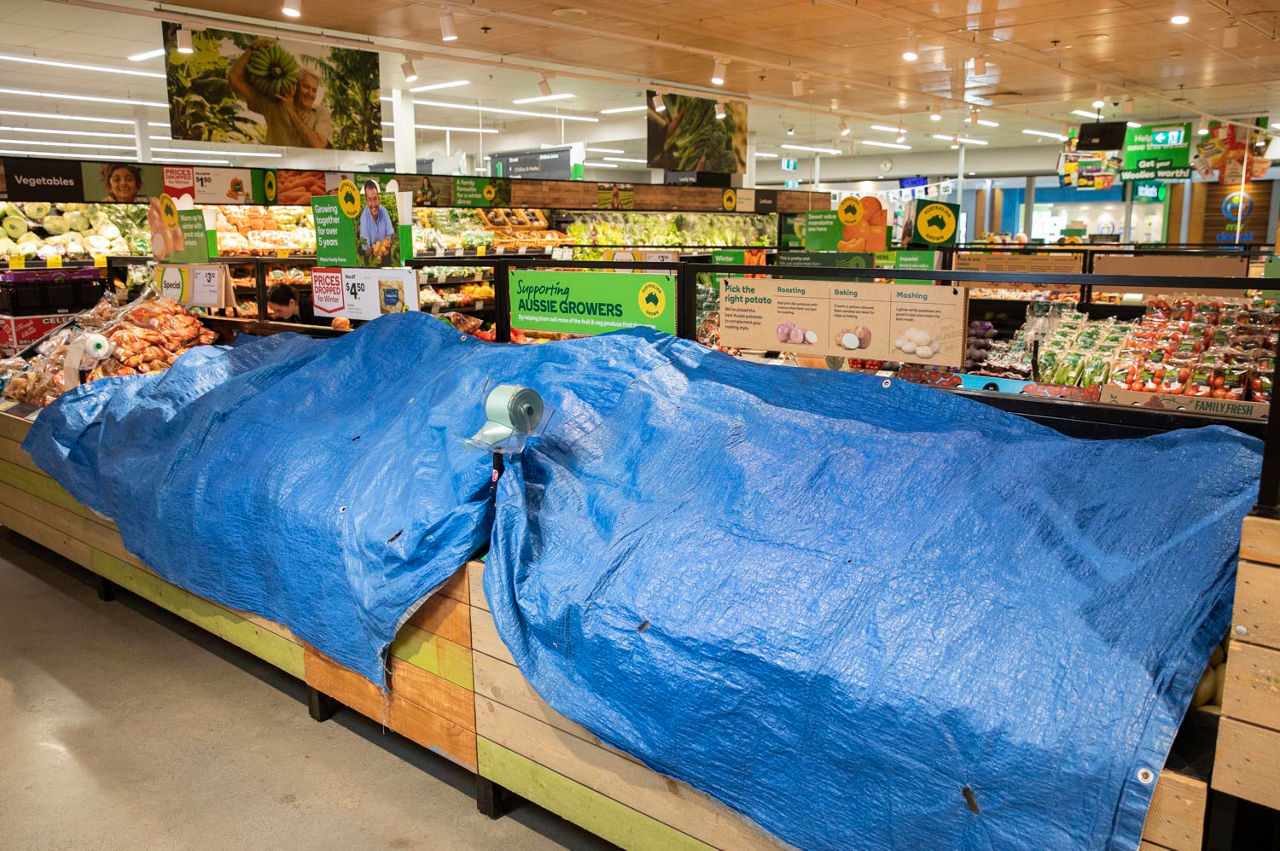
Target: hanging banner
pixel 1158 152
pixel 237 87
pixel 589 303
pixel 615 196
pixel 687 136
pixel 863 319
pixel 1089 169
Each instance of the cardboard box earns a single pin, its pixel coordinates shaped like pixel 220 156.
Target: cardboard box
pixel 18 332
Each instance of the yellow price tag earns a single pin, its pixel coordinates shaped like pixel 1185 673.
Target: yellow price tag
pixel 17 261
pixel 481 250
pixel 282 252
pixel 54 261
pixel 100 260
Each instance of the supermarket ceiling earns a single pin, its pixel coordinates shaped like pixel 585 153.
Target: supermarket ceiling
pixel 804 67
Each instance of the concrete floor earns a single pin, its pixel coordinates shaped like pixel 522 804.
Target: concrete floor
pixel 122 726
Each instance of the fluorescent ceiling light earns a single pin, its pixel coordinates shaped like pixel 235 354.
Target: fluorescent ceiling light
pixel 86 98
pixel 810 148
pixel 1084 113
pixel 79 66
pixel 959 139
pixel 885 128
pixel 875 143
pixel 626 160
pixel 61 117
pixel 603 150
pixel 493 109
pixel 450 129
pixel 546 145
pixel 43 144
pixel 1046 134
pixel 988 123
pixel 146 54
pixel 197 162
pixel 1134 124
pixel 600 165
pixel 52 132
pixel 218 153
pixel 156 123
pixel 410 73
pixel 544 98
pixel 452 84
pixel 617 109
pixel 292 8
pixel 127 157
pixel 448 29
pixel 160 138
pixel 765 155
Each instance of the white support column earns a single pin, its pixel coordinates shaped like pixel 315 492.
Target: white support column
pixel 141 132
pixel 1127 234
pixel 406 137
pixel 749 178
pixel 1029 200
pixel 1185 230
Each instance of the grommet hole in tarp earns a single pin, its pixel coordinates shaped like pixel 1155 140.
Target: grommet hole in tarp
pixel 971 800
pixel 642 627
pixel 396 535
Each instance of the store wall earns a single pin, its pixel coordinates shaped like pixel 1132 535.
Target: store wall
pixel 1038 159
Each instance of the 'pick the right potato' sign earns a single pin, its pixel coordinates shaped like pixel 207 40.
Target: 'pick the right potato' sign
pixel 908 323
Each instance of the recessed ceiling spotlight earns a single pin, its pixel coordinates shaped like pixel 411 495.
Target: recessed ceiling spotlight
pixel 292 8
pixel 910 52
pixel 1181 12
pixel 935 114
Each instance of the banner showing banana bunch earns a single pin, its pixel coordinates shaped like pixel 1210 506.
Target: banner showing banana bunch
pixel 236 87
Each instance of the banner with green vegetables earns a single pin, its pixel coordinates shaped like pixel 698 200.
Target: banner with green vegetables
pixel 687 136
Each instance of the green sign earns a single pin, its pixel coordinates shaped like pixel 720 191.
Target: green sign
pixel 1149 191
pixel 482 192
pixel 823 230
pixel 591 303
pixel 1158 152
pixel 335 233
pixel 828 260
pixel 910 259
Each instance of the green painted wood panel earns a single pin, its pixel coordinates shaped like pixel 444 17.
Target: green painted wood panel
pixel 585 807
pixel 266 645
pixel 440 656
pixel 38 484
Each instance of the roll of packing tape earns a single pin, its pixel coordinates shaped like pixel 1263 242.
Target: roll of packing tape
pixel 515 407
pixel 96 346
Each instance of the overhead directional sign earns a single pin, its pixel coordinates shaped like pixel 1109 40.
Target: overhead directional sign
pixel 1160 152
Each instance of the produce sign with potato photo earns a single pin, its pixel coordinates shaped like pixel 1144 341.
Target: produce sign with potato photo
pixel 177 236
pixel 237 87
pixel 687 136
pixel 867 320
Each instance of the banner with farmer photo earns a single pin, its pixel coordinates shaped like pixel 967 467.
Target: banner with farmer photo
pixel 237 87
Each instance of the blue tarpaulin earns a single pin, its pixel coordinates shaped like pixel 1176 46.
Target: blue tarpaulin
pixel 864 615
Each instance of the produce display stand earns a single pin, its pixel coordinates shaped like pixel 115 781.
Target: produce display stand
pixel 454 688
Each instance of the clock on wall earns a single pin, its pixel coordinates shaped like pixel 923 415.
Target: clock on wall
pixel 886 165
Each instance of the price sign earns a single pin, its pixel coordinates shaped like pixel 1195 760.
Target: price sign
pixel 461 252
pixel 522 250
pixel 439 252
pixel 100 260
pixel 17 261
pixel 53 261
pixel 206 286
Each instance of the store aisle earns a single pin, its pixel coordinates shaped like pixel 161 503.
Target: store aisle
pixel 121 726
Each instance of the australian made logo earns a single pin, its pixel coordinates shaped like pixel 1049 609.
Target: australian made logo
pixel 936 222
pixel 652 299
pixel 850 211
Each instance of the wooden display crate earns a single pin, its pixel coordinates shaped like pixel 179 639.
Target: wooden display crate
pixel 1247 764
pixel 455 689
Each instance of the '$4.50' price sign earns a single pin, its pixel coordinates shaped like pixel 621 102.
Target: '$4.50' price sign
pixel 363 293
